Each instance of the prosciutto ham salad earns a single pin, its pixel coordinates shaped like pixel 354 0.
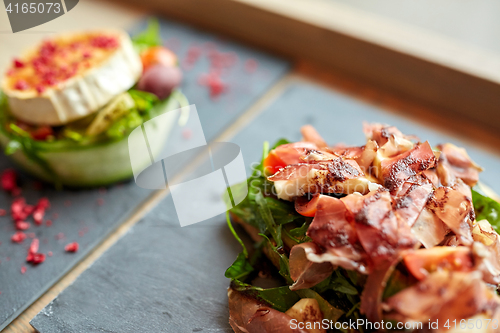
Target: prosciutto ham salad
pixel 396 231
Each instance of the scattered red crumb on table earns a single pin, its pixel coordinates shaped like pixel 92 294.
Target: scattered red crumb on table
pixel 214 83
pixel 71 247
pixel 23 269
pixel 8 180
pixel 22 225
pixel 18 237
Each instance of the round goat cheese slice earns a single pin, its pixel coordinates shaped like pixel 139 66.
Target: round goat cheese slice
pixel 71 76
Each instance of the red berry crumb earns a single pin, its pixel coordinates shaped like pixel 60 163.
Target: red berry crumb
pixel 35 243
pixel 8 180
pixel 71 247
pixel 18 63
pixel 18 237
pixel 21 85
pixel 23 269
pixel 22 225
pixel 37 258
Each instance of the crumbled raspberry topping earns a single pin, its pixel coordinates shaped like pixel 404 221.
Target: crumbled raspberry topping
pixel 105 42
pixel 18 63
pixel 57 61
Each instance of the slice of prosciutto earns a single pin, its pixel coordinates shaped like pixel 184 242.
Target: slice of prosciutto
pixel 247 315
pixel 309 134
pixel 396 170
pixel 291 153
pixel 457 162
pixel 337 176
pixel 443 295
pixel 382 235
pixel 390 140
pixel 486 250
pixel 331 230
pixel 305 273
pixel 412 201
pixel 429 229
pixel 455 210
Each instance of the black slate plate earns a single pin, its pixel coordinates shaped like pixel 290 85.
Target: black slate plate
pixel 164 278
pixel 84 215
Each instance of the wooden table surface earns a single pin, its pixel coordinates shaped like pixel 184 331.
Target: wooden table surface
pixel 101 14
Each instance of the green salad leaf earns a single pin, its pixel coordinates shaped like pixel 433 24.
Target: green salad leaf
pixel 124 125
pixel 397 282
pixel 240 268
pixel 486 208
pixel 265 214
pixel 280 298
pixel 144 101
pixel 298 234
pixel 149 37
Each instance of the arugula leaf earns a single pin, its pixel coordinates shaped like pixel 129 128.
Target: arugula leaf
pixel 486 208
pixel 397 282
pixel 148 38
pixel 283 211
pixel 280 298
pixel 279 259
pixel 228 220
pixel 267 216
pixel 280 142
pixel 300 231
pixel 259 169
pixel 342 285
pixel 240 268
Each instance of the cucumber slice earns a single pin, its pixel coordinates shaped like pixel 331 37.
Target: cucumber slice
pixel 91 165
pixel 117 108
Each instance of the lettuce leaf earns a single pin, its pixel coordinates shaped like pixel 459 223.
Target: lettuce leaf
pixel 148 38
pixel 280 298
pixel 486 208
pixel 265 214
